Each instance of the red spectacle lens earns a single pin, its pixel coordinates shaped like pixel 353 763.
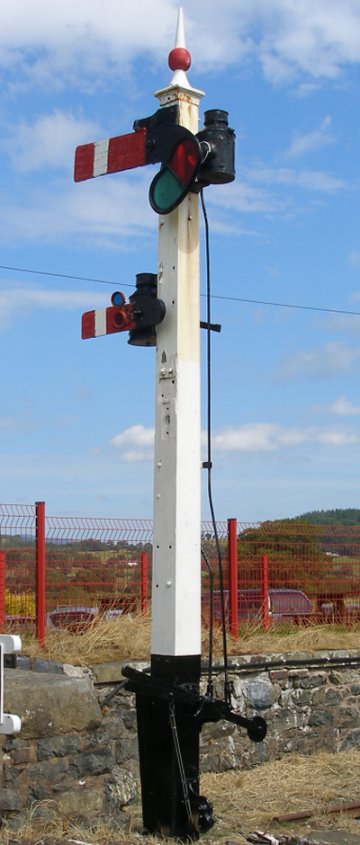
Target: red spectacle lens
pixel 184 160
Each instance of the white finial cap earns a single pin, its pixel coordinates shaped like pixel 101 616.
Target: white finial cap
pixel 180 58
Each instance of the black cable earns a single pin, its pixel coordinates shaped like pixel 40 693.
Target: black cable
pixel 287 305
pixel 61 275
pixel 208 463
pixel 213 296
pixel 210 683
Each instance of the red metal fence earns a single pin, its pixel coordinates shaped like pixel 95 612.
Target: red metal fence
pixel 17 565
pixel 322 561
pixel 54 569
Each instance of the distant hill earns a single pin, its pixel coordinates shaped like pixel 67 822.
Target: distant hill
pixel 338 516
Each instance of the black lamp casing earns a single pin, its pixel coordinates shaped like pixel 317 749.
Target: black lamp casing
pixel 218 144
pixel 148 310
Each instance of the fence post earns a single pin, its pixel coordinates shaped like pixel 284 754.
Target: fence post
pixel 144 580
pixel 40 573
pixel 265 590
pixel 233 577
pixel 2 588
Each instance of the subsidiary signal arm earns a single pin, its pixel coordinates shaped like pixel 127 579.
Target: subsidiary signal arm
pixel 139 316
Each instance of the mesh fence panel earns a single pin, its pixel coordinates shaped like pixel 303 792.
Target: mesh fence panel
pixel 98 564
pixel 323 562
pixel 17 549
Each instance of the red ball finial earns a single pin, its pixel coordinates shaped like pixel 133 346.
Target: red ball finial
pixel 179 59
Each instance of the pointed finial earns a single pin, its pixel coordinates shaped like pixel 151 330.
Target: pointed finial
pixel 180 58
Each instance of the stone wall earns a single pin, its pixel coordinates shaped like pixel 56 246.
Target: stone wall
pixel 77 752
pixel 309 703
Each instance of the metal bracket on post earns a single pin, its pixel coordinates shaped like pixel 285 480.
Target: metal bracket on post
pixel 181 711
pixel 9 644
pixel 204 709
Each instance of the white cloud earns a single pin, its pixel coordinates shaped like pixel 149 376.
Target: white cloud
pixel 137 456
pixel 341 407
pixel 305 89
pixel 136 435
pixel 312 38
pixel 332 359
pixel 47 43
pixel 137 442
pixel 17 302
pixel 50 43
pixel 110 210
pixel 319 181
pixel 113 205
pixel 310 180
pixel 337 438
pixel 243 197
pixel 50 141
pixel 302 144
pixel 265 437
pixel 106 210
pixel 258 437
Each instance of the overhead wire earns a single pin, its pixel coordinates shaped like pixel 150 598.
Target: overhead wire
pixel 243 299
pixel 59 275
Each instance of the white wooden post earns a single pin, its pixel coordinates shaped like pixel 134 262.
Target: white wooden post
pixel 168 735
pixel 176 612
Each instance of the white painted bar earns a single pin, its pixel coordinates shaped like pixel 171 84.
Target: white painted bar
pixel 100 321
pixel 101 149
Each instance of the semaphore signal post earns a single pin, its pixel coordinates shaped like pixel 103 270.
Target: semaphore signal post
pixel 164 311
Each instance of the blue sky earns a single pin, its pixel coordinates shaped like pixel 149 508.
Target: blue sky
pixel 76 417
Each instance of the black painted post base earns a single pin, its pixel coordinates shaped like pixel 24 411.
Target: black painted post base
pixel 169 754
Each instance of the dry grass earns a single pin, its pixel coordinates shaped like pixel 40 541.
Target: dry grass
pixel 243 802
pixel 125 638
pixel 248 801
pixel 294 638
pixel 128 638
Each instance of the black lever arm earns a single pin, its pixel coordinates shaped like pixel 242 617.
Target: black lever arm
pixel 205 709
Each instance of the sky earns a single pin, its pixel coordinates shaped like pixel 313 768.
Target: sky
pixel 77 417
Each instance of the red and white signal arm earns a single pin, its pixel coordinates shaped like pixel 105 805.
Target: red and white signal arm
pixel 102 321
pixel 111 156
pixel 9 724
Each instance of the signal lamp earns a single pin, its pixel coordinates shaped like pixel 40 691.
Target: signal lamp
pixel 177 175
pixel 118 299
pixel 218 142
pixel 147 310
